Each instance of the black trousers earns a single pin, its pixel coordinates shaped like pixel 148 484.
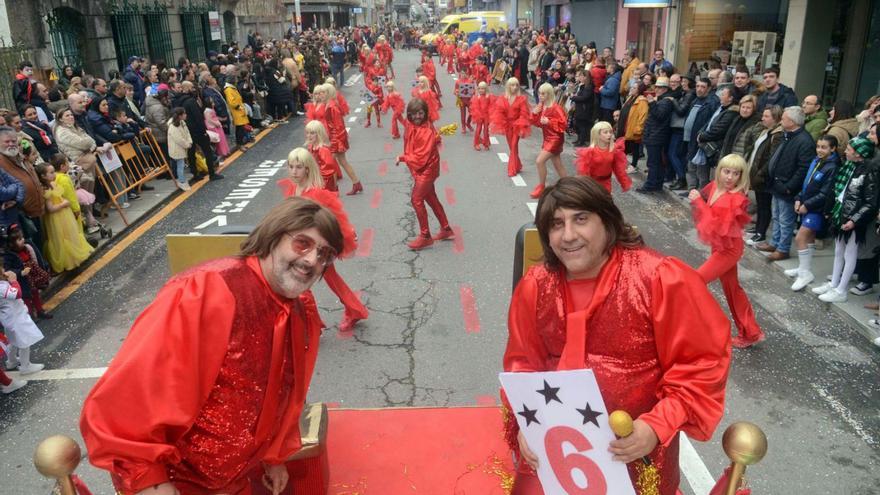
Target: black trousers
pixel 868 270
pixel 240 135
pixel 205 145
pixel 764 213
pixel 582 126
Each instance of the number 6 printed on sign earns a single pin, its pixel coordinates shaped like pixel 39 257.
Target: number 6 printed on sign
pixel 565 466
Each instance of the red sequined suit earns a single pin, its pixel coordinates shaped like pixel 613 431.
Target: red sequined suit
pixel 395 102
pixel 600 164
pixel 554 130
pixel 327 164
pixel 720 226
pixel 511 118
pixel 480 108
pixel 209 383
pixel 354 308
pixel 652 333
pixel 421 153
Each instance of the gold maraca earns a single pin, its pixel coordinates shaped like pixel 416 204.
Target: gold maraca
pixel 57 457
pixel 745 444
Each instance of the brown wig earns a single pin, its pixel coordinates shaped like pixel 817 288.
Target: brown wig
pixel 414 106
pixel 583 194
pixel 294 214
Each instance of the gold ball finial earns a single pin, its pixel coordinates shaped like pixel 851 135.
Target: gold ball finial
pixel 744 443
pixel 57 456
pixel 621 423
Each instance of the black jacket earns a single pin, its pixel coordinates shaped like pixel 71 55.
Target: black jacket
pixel 195 116
pixel 860 198
pixel 33 129
pixel 737 127
pixel 657 130
pixel 788 166
pixel 708 104
pixel 583 102
pixel 758 168
pixel 818 191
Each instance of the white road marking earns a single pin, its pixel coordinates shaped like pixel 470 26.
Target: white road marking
pixel 696 472
pixel 845 414
pixel 518 181
pixel 352 119
pixel 62 374
pixel 503 157
pixel 533 207
pixel 362 102
pixel 358 110
pixel 493 139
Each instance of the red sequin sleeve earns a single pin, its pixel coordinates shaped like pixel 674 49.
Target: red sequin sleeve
pixel 131 425
pixel 721 224
pixel 692 335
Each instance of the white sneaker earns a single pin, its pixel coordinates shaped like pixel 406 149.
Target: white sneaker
pixel 13 386
pixel 791 272
pixel 11 364
pixel 802 281
pixel 833 296
pixel 877 341
pixel 823 288
pixel 183 186
pixel 30 369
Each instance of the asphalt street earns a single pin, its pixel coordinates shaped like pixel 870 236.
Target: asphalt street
pixel 437 327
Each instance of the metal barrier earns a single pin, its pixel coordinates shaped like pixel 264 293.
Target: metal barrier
pixel 136 169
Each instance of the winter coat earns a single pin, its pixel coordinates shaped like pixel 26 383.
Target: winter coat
pixel 784 97
pixel 758 166
pixel 42 137
pixel 74 142
pixel 657 129
pixel 236 105
pixel 815 124
pixel 814 195
pixel 680 109
pixel 788 166
pixel 627 74
pixel 635 120
pixel 708 104
pixel 103 126
pixel 583 102
pixel 179 140
pixel 843 130
pixel 195 116
pixel 734 139
pixel 33 203
pixel 10 189
pixel 157 115
pixel 861 196
pixel 609 97
pixel 137 82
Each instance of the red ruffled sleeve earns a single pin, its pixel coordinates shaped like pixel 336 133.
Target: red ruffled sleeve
pixel 342 103
pixel 499 118
pixel 583 160
pixel 521 116
pixel 311 114
pixel 287 186
pixel 326 162
pixel 720 225
pixel 693 346
pixel 330 200
pixel 558 121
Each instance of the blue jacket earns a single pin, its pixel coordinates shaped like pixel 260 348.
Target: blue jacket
pixel 104 127
pixel 137 82
pixel 818 183
pixel 10 189
pixel 609 95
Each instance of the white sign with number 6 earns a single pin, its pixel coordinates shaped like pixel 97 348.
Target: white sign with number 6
pixel 565 423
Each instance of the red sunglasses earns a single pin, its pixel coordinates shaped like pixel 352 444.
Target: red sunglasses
pixel 303 245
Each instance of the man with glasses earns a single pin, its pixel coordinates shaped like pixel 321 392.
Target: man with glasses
pixel 816 119
pixel 212 378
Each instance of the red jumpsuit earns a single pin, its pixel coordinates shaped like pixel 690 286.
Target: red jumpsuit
pixel 600 164
pixel 449 51
pixel 480 73
pixel 480 108
pixel 395 102
pixel 421 153
pixel 513 119
pixel 429 71
pixel 464 61
pixel 554 130
pixel 386 55
pixel 354 308
pixel 649 329
pixel 720 225
pixel 328 166
pixel 208 384
pixel 464 102
pixel 431 99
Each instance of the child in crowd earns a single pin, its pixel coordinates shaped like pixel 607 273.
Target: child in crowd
pixel 20 329
pixel 853 212
pixel 66 246
pixel 394 100
pixel 84 198
pixel 305 180
pixel 810 205
pixel 374 87
pixel 318 144
pixel 65 184
pixel 179 141
pixel 480 106
pixel 463 100
pixel 213 125
pixel 603 158
pixel 720 213
pixel 20 258
pixel 7 383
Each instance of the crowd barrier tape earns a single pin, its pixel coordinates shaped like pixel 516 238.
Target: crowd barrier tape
pixel 124 169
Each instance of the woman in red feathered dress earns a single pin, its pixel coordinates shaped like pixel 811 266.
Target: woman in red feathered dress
pixel 318 145
pixel 720 213
pixel 328 112
pixel 305 180
pixel 480 106
pixel 551 118
pixel 421 153
pixel 423 91
pixel 509 116
pixel 394 101
pixel 603 158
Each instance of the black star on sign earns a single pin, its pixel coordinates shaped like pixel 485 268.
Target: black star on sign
pixel 589 415
pixel 549 393
pixel 529 414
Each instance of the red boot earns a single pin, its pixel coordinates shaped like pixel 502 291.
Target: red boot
pixel 536 193
pixel 355 188
pixel 446 234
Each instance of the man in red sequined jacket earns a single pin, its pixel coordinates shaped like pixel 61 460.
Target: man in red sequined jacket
pixel 645 323
pixel 211 380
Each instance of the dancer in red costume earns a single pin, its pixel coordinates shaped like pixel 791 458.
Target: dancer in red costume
pixel 429 71
pixel 476 50
pixel 645 324
pixel 510 116
pixel 327 111
pixel 395 102
pixel 423 91
pixel 449 54
pixel 374 86
pixel 464 101
pixel 421 153
pixel 386 53
pixel 551 118
pixel 210 382
pixel 464 62
pixel 305 180
pixel 481 105
pixel 341 102
pixel 603 158
pixel 720 213
pixel 365 58
pixel 480 72
pixel 318 145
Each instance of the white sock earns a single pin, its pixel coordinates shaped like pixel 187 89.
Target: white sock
pixel 24 357
pixel 805 260
pixel 12 355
